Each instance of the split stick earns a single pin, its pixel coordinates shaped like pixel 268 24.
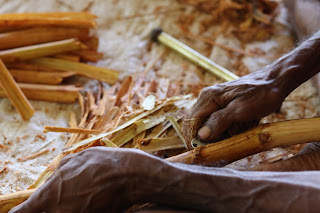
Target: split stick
pixel 40 50
pixel 12 90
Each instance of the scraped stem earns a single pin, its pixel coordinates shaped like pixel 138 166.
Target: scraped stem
pixel 261 138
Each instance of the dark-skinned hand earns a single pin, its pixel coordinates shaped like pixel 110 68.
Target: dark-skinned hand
pixel 240 103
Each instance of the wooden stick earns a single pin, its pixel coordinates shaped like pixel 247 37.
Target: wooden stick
pixel 35 77
pixel 40 35
pixel 69 130
pixel 28 66
pixel 59 94
pixel 34 155
pixel 12 90
pixel 99 73
pixel 9 201
pixel 261 138
pixel 69 19
pixel 40 50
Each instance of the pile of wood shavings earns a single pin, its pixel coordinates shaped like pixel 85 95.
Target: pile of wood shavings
pixel 252 19
pixel 136 114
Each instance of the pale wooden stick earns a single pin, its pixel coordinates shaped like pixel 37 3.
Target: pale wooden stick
pixel 69 130
pixel 40 50
pixel 51 93
pixel 35 77
pixel 261 138
pixel 99 73
pixel 33 155
pixel 33 36
pixel 15 94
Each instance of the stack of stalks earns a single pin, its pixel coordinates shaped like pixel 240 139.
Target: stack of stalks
pixel 40 50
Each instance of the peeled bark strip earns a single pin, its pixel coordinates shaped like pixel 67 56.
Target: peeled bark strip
pixel 99 73
pixel 35 77
pixel 52 19
pixel 14 93
pixel 190 128
pixel 33 36
pixel 261 138
pixel 51 93
pixel 69 130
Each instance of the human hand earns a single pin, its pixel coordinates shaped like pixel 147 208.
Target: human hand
pixel 233 107
pixel 95 180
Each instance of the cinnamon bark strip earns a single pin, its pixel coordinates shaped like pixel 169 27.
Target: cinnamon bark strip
pixel 52 19
pixel 33 36
pixel 40 50
pixel 35 77
pixel 14 93
pixel 69 130
pixel 50 93
pixel 88 55
pixel 99 73
pixel 33 155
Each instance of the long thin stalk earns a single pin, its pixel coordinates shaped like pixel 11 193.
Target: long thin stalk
pixel 99 73
pixel 35 77
pixel 261 138
pixel 40 50
pixel 51 93
pixel 33 36
pixel 60 19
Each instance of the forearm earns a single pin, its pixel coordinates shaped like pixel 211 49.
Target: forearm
pixel 296 67
pixel 225 190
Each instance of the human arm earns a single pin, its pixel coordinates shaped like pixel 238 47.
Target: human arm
pixel 248 99
pixel 110 180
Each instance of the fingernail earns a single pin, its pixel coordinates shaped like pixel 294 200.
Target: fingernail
pixel 204 133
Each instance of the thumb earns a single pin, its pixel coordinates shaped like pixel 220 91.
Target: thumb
pixel 217 123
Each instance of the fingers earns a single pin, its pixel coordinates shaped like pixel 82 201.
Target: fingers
pixel 217 123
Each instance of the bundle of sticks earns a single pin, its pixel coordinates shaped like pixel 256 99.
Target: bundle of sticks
pixel 40 50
